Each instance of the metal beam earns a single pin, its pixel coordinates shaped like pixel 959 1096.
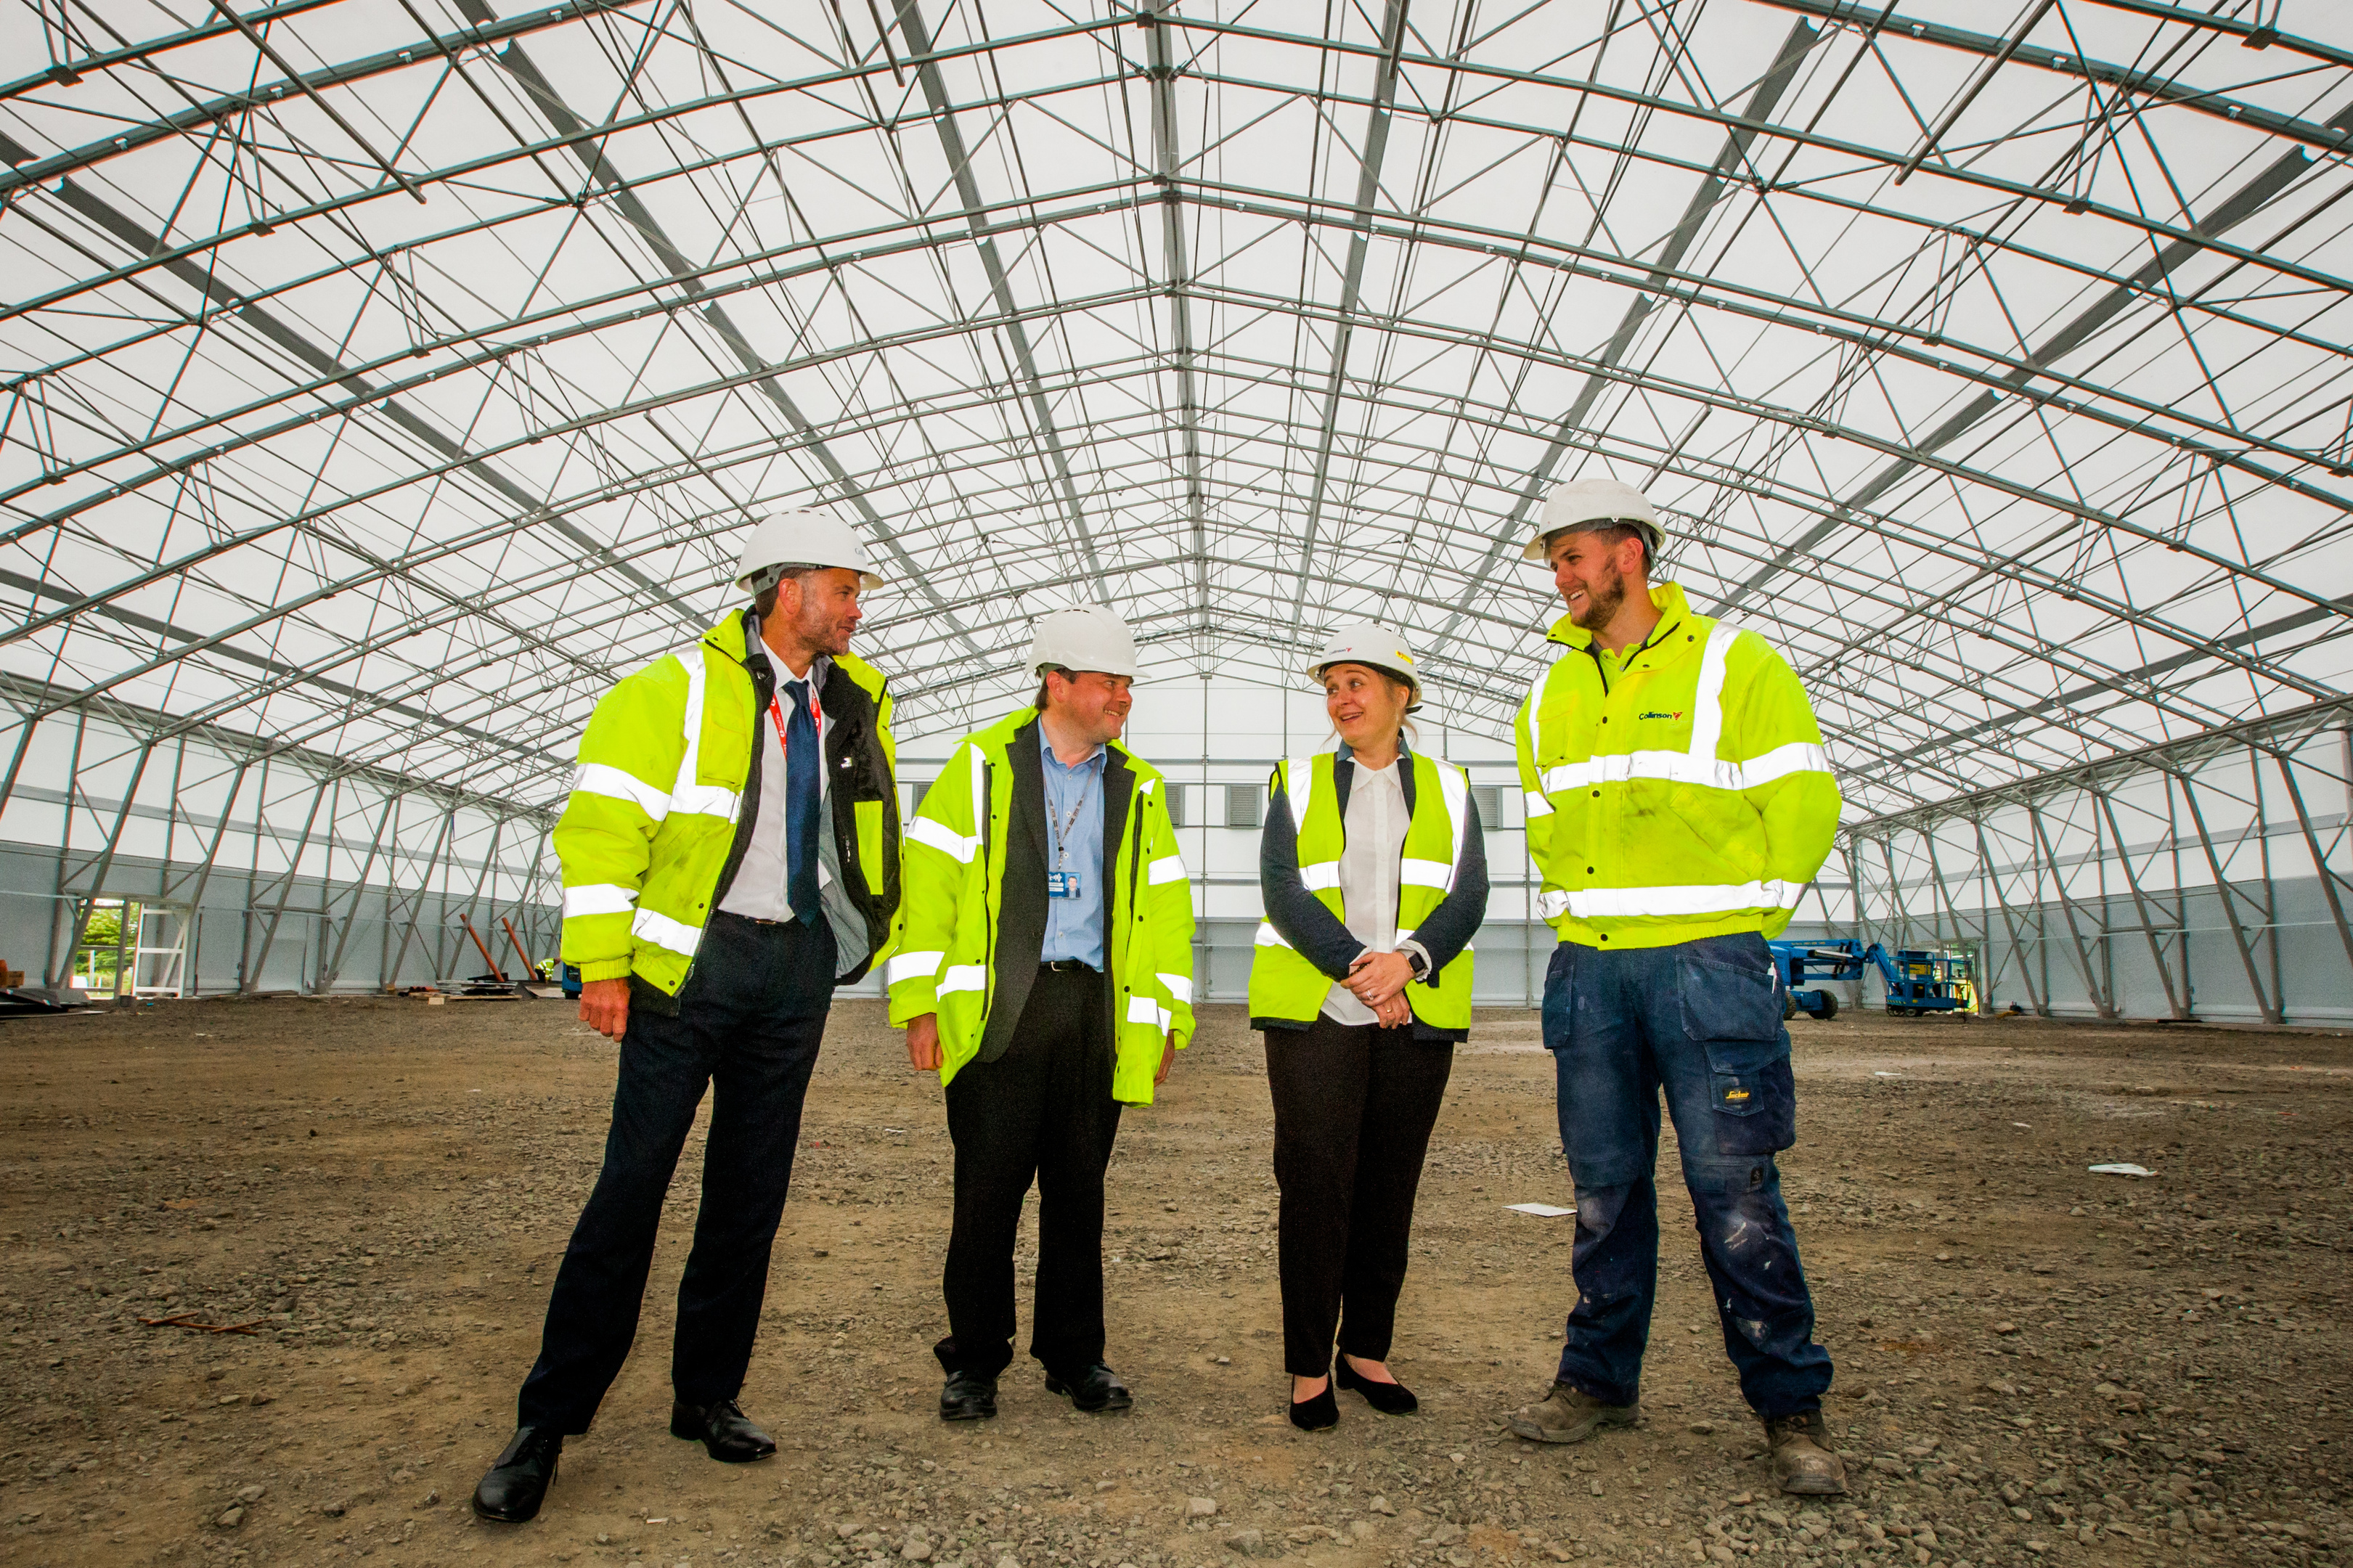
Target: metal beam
pixel 1722 176
pixel 2225 216
pixel 978 219
pixel 763 374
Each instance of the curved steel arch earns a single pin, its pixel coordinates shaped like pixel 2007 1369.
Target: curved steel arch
pixel 1074 403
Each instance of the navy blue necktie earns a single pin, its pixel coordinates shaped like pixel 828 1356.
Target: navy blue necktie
pixel 802 777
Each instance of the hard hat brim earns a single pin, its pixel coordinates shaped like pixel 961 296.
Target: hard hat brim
pixel 1412 681
pixel 866 580
pixel 1535 548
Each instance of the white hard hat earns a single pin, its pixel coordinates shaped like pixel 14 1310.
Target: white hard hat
pixel 1588 503
pixel 801 539
pixel 1372 645
pixel 1086 637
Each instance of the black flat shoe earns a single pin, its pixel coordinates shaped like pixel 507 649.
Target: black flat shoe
pixel 968 1396
pixel 1388 1399
pixel 516 1483
pixel 722 1429
pixel 1320 1413
pixel 1097 1389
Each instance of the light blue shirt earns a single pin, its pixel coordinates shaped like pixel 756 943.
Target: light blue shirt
pixel 1074 835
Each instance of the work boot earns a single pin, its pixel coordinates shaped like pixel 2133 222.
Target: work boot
pixel 1803 1460
pixel 1570 1415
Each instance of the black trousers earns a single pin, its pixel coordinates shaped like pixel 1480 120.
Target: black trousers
pixel 1042 1110
pixel 749 1020
pixel 1354 1105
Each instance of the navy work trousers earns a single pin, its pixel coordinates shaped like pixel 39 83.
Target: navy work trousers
pixel 1700 1021
pixel 749 1019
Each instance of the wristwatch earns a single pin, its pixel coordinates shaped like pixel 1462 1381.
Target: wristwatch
pixel 1415 962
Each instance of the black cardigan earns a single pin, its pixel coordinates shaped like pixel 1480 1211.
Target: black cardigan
pixel 1318 935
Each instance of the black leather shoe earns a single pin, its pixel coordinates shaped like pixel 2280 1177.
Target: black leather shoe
pixel 511 1490
pixel 1320 1413
pixel 968 1396
pixel 1388 1399
pixel 1097 1388
pixel 723 1429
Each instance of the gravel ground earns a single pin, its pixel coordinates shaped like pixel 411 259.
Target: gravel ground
pixel 2036 1364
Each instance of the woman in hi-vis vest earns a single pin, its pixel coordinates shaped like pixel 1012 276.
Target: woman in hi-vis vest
pixel 1374 880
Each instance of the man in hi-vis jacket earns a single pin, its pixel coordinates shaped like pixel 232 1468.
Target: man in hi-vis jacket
pixel 1679 803
pixel 1046 974
pixel 731 855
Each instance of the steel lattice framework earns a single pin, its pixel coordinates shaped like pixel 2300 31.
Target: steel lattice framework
pixel 382 379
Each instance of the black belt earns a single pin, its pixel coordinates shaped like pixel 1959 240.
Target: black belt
pixel 756 921
pixel 1067 966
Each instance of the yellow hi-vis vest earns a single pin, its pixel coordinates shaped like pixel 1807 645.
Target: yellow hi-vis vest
pixel 1282 983
pixel 1681 795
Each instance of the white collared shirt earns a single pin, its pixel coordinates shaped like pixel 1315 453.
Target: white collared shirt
pixel 758 889
pixel 1374 830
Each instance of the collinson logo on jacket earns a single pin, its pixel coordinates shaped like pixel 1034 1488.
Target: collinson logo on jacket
pixel 1658 716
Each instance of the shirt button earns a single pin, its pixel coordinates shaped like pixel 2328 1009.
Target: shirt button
pixel 1605 936
pixel 1596 795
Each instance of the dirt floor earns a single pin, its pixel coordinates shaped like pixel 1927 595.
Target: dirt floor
pixel 2035 1362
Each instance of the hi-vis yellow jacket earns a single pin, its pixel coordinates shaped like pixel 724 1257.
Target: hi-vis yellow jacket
pixel 1685 795
pixel 655 819
pixel 962 852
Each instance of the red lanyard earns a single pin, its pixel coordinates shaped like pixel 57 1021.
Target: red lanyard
pixel 776 717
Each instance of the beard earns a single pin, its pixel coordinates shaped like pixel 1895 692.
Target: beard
pixel 1603 600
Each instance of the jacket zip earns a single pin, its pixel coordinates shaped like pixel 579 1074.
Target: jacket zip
pixel 987 837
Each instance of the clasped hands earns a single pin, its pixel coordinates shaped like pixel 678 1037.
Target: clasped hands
pixel 1378 980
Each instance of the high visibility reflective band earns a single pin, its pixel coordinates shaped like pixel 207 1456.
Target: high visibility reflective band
pixel 1425 873
pixel 664 932
pixel 598 898
pixel 691 725
pixel 1167 869
pixel 939 836
pixel 1535 715
pixel 1698 765
pixel 1539 803
pixel 1691 899
pixel 1552 903
pixel 1300 785
pixel 1685 767
pixel 963 977
pixel 1320 878
pixel 1143 1010
pixel 1797 757
pixel 910 966
pixel 705 800
pixel 1178 986
pixel 1267 936
pixel 618 784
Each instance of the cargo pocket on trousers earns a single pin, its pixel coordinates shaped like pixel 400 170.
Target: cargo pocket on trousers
pixel 1732 1010
pixel 1730 990
pixel 1754 1095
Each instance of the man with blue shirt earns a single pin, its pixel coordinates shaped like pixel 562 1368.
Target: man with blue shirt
pixel 1045 972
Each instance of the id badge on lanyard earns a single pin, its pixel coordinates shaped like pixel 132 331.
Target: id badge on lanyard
pixel 1061 884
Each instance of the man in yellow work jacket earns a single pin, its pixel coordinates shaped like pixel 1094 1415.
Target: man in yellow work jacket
pixel 731 855
pixel 1046 974
pixel 1678 803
